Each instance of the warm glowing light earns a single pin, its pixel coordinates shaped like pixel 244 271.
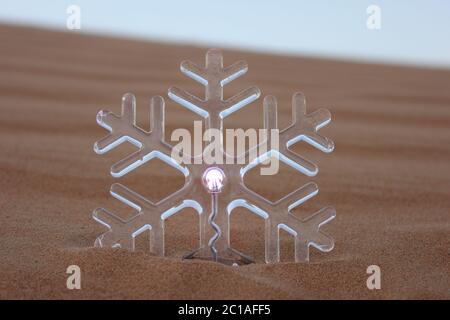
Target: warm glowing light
pixel 214 179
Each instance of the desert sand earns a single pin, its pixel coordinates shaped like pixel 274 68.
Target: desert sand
pixel 388 178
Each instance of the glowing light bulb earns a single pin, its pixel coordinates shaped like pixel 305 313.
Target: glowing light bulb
pixel 213 180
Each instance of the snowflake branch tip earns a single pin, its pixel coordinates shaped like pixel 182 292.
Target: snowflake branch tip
pixel 233 72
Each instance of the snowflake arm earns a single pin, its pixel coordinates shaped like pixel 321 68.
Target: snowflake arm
pixel 305 126
pixel 123 128
pixel 149 216
pixel 214 77
pixel 278 216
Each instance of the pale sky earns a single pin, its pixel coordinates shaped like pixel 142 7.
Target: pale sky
pixel 412 31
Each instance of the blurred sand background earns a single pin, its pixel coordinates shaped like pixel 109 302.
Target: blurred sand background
pixel 389 177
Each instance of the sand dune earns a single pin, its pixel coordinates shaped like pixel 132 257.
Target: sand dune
pixel 389 177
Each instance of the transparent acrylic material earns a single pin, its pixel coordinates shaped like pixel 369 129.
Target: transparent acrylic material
pixel 214 207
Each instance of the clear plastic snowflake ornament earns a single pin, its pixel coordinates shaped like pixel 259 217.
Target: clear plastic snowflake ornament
pixel 214 191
